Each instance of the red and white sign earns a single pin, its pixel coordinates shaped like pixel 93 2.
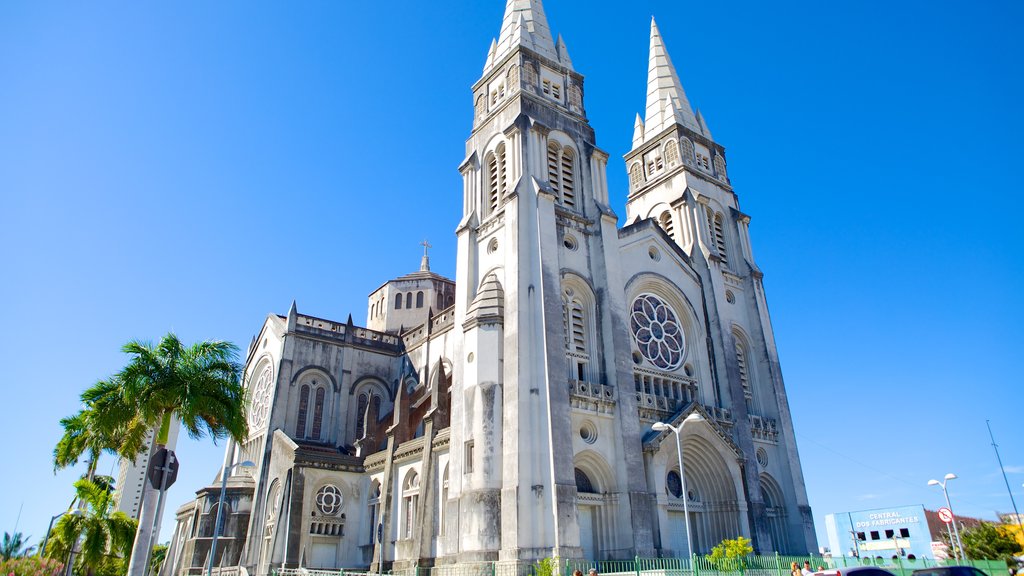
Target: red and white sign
pixel 946 515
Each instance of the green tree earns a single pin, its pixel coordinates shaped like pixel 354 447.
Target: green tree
pixel 156 558
pixel 87 434
pixel 731 555
pixel 199 385
pixel 990 542
pixel 105 536
pixel 14 546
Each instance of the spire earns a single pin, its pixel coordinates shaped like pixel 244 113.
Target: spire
pixel 490 54
pixel 525 25
pixel 704 125
pixel 638 131
pixel 666 101
pixel 563 53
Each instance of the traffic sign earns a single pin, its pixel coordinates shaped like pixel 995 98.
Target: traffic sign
pixel 163 462
pixel 946 515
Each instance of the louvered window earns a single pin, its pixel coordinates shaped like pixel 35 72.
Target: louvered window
pixel 568 179
pixel 579 339
pixel 665 220
pixel 720 238
pixel 492 182
pixel 562 173
pixel 741 362
pixel 554 151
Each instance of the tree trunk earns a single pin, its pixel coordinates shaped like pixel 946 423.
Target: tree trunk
pixel 149 514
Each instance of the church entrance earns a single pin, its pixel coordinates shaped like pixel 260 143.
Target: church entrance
pixel 586 522
pixel 324 555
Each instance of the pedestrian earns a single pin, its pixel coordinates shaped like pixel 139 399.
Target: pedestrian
pixel 807 569
pixel 577 572
pixel 593 572
pixel 794 569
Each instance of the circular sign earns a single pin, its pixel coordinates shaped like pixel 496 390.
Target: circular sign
pixel 946 515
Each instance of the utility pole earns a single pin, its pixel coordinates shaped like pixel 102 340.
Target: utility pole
pixel 1003 470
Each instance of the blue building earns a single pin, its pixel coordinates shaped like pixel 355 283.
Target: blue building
pixel 884 532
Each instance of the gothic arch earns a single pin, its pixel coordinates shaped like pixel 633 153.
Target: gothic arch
pixel 746 364
pixel 564 170
pixel 320 370
pixel 597 470
pixel 775 512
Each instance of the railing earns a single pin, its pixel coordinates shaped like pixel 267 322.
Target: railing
pixel 768 565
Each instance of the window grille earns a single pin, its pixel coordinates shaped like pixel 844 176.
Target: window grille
pixel 300 425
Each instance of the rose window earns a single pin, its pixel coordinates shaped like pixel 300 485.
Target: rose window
pixel 259 406
pixel 328 500
pixel 657 332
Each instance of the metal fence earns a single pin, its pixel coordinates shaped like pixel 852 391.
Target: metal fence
pixel 776 565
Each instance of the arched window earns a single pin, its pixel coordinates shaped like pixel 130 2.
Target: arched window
pixel 440 301
pixel 671 153
pixel 408 299
pixel 398 301
pixel 419 299
pixel 665 221
pixel 686 148
pixel 562 173
pixel 410 499
pixel 636 176
pixel 363 402
pixel 373 508
pixel 583 483
pixel 719 163
pixel 318 413
pixel 300 423
pixel 719 231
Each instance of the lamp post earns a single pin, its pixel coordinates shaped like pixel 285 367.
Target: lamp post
pixel 75 512
pixel 945 493
pixel 661 427
pixel 220 509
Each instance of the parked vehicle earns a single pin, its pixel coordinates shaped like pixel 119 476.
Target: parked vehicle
pixel 949 571
pixel 857 571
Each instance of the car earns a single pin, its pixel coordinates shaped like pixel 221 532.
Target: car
pixel 855 571
pixel 949 571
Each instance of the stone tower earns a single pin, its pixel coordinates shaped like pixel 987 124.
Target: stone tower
pixel 677 177
pixel 536 246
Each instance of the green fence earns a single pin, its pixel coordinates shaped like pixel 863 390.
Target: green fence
pixel 775 565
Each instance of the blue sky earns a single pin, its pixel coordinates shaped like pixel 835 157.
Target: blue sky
pixel 195 166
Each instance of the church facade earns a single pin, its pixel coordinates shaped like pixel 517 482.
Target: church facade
pixel 508 414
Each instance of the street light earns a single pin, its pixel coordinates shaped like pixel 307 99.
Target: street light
pixel 661 427
pixel 75 512
pixel 220 508
pixel 956 531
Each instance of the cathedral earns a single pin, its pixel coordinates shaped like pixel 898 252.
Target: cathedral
pixel 509 414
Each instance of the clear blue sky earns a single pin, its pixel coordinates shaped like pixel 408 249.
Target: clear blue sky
pixel 194 166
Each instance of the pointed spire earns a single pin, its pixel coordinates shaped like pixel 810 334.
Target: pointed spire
pixel 293 316
pixel 666 101
pixel 563 53
pixel 490 55
pixel 704 125
pixel 638 131
pixel 525 25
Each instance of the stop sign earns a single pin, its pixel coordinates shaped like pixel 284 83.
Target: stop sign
pixel 946 515
pixel 163 462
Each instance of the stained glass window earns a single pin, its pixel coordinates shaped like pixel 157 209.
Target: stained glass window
pixel 657 332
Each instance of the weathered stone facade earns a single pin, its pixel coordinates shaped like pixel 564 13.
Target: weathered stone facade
pixel 508 415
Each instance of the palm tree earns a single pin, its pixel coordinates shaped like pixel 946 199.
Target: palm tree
pixel 86 434
pixel 106 536
pixel 199 385
pixel 14 545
